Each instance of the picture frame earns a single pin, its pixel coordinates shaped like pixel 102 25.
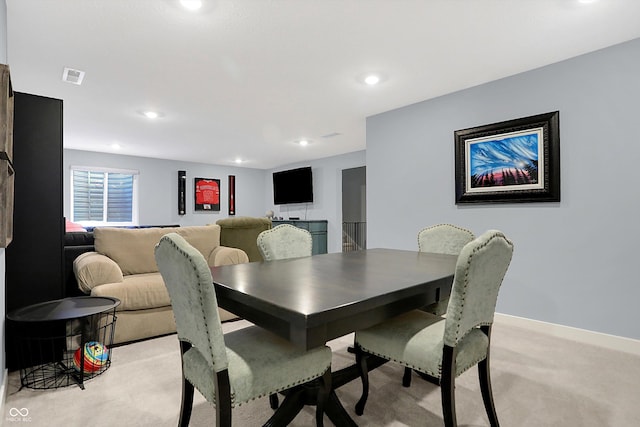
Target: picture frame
pixel 514 161
pixel 232 195
pixel 207 194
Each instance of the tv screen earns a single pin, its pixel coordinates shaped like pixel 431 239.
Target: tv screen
pixel 293 186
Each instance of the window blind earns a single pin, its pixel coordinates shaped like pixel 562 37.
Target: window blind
pixel 102 196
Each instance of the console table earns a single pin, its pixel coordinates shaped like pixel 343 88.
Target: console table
pixel 317 228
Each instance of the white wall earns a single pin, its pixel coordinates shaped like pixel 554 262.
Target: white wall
pixel 158 187
pixel 254 189
pixel 574 261
pixel 327 194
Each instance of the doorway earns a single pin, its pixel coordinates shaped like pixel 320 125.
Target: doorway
pixel 354 209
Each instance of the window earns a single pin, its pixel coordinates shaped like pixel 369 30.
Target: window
pixel 104 196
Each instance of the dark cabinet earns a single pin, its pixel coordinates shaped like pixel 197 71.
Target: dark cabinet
pixel 34 262
pixel 317 228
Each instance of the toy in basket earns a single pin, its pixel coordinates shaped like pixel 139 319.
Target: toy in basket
pixel 95 357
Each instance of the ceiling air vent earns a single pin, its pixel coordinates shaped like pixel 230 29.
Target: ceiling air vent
pixel 70 75
pixel 331 135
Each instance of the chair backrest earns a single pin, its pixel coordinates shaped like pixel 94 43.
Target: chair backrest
pixel 444 239
pixel 480 269
pixel 283 242
pixel 242 232
pixel 193 299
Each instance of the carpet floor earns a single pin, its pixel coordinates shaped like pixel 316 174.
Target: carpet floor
pixel 538 380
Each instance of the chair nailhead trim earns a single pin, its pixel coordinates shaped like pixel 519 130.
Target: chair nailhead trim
pixel 440 225
pixel 466 283
pixel 200 297
pixel 283 388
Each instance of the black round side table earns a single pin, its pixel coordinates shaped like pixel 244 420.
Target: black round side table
pixel 65 341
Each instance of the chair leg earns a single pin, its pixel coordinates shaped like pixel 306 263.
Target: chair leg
pixel 187 403
pixel 484 376
pixel 363 370
pixel 273 401
pixel 223 399
pixel 487 394
pixel 187 392
pixel 447 386
pixel 406 379
pixel 323 396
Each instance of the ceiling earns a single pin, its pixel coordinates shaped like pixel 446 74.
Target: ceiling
pixel 247 78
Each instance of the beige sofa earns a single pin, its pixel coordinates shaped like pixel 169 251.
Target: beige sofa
pixel 123 266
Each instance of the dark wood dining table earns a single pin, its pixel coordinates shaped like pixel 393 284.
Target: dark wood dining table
pixel 312 300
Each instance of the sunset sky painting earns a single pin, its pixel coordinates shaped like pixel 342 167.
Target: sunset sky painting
pixel 507 161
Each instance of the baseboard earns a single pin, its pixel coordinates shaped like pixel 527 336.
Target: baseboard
pixel 613 342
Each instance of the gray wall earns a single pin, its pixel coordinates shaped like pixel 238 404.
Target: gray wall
pixel 3 32
pixel 158 187
pixel 254 190
pixel 327 190
pixel 3 60
pixel 574 261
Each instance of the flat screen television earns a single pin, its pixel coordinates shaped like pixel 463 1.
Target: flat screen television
pixel 293 186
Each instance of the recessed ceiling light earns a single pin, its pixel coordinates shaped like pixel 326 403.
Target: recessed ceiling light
pixel 151 114
pixel 238 161
pixel 191 4
pixel 116 146
pixel 587 1
pixel 372 79
pixel 303 142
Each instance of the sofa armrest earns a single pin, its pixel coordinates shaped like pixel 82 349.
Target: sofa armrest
pixel 223 255
pixel 92 269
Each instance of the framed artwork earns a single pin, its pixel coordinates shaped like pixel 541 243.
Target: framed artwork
pixel 207 194
pixel 232 195
pixel 508 162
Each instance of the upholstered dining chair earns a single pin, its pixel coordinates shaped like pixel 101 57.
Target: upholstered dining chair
pixel 442 348
pixel 236 367
pixel 443 239
pixel 283 242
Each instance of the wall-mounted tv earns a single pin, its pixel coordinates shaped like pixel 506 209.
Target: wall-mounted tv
pixel 293 186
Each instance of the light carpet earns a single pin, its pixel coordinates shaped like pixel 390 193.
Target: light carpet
pixel 538 380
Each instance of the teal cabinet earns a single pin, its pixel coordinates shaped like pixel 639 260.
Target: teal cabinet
pixel 317 228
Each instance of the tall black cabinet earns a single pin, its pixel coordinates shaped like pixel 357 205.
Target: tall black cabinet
pixel 34 261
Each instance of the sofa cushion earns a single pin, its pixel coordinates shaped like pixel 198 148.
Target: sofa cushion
pixel 93 269
pixel 137 292
pixel 132 249
pixel 205 238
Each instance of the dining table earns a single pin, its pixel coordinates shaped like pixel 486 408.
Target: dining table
pixel 312 300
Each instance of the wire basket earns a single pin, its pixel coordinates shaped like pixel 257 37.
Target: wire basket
pixel 63 353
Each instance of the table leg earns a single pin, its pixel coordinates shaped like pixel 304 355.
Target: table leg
pixel 293 403
pixel 297 397
pixel 350 373
pixel 336 412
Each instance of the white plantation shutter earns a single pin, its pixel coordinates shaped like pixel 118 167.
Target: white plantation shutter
pixel 119 197
pixel 88 195
pixel 104 196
